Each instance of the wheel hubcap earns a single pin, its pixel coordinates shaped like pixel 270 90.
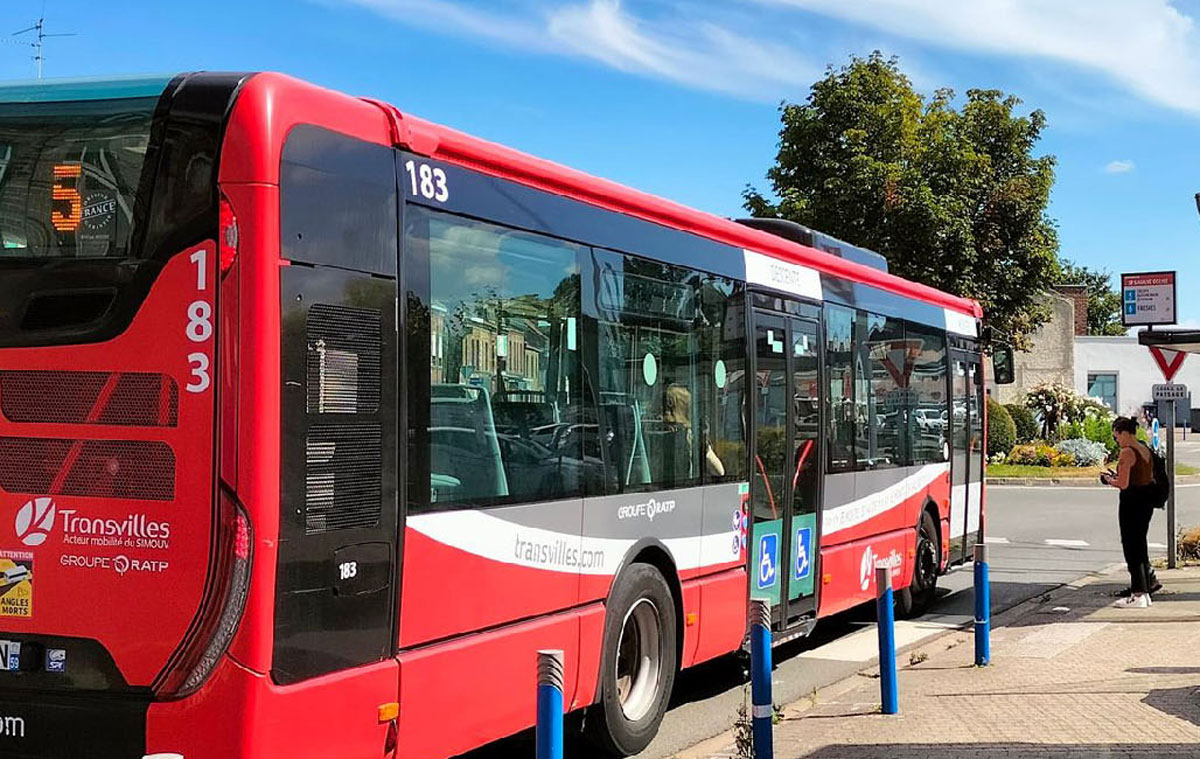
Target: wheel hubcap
pixel 926 567
pixel 639 660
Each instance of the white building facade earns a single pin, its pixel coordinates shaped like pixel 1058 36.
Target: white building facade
pixel 1123 373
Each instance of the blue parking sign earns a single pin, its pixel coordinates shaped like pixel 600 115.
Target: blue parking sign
pixel 803 549
pixel 768 561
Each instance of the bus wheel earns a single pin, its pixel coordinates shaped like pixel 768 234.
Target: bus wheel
pixel 637 665
pixel 916 599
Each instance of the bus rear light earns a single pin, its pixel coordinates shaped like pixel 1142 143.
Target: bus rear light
pixel 228 235
pixel 222 614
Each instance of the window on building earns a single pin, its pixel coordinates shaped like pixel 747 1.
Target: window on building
pixel 1104 387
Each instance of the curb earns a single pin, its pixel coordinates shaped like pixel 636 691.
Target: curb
pixel 1073 482
pixel 714 746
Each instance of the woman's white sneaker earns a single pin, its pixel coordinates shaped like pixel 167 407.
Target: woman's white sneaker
pixel 1136 601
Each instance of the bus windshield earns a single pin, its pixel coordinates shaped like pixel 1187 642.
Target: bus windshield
pixel 69 175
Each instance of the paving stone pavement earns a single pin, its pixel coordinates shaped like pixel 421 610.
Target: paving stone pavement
pixel 1071 677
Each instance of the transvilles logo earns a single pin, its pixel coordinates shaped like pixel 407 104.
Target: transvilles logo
pixel 35 520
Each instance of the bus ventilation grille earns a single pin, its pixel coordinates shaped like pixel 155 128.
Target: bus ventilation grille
pixel 343 477
pixel 58 397
pixel 343 360
pixel 130 469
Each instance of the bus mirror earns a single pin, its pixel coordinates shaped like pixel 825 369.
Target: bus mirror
pixel 1002 365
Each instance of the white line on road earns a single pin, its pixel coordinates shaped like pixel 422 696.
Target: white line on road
pixel 995 541
pixel 1156 545
pixel 1066 543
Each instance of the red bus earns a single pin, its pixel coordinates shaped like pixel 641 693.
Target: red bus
pixel 318 420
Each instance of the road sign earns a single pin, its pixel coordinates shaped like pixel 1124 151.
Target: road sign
pixel 1170 392
pixel 1168 360
pixel 768 549
pixel 1148 298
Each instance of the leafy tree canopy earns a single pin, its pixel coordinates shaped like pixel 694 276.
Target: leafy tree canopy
pixel 952 196
pixel 1104 303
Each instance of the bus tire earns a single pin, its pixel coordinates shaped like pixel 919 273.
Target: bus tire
pixel 916 599
pixel 637 664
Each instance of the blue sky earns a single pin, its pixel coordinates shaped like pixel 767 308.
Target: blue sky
pixel 679 97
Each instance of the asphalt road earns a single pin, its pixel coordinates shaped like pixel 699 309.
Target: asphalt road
pixel 1039 538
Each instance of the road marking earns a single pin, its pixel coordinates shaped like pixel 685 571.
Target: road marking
pixel 1066 543
pixel 863 645
pixel 1156 545
pixel 995 541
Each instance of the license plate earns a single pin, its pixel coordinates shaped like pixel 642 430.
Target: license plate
pixel 10 655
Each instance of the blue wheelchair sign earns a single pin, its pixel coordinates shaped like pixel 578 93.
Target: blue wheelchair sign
pixel 768 560
pixel 803 549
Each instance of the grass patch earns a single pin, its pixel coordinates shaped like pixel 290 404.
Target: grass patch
pixel 1065 472
pixel 1045 472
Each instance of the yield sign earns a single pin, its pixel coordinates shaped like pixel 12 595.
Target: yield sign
pixel 1168 360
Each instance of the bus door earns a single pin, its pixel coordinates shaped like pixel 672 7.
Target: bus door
pixel 966 461
pixel 786 481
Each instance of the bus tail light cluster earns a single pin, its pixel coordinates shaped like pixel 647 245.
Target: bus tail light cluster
pixel 227 238
pixel 225 602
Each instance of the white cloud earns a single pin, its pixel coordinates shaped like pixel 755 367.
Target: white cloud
pixel 1119 167
pixel 1148 47
pixel 679 44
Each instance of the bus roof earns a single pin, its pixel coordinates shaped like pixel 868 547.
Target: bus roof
pixel 442 142
pixel 88 88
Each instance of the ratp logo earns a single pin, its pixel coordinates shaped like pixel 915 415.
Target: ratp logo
pixel 35 520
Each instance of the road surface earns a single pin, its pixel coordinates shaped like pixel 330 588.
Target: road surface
pixel 1039 538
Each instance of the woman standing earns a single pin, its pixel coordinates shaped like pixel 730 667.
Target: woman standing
pixel 1135 471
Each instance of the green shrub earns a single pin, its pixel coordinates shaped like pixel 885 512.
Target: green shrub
pixel 1002 432
pixel 1027 426
pixel 1040 454
pixel 1037 454
pixel 1063 458
pixel 1069 431
pixel 1099 430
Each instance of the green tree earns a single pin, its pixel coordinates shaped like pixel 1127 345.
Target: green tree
pixel 953 197
pixel 1104 303
pixel 1002 431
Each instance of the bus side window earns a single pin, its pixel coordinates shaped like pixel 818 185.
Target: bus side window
pixel 839 359
pixel 929 421
pixel 502 418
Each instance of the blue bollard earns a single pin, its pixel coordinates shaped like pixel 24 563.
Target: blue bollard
pixel 885 608
pixel 760 679
pixel 983 608
pixel 549 738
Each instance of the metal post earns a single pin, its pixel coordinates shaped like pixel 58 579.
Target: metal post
pixel 549 736
pixel 1171 551
pixel 886 616
pixel 760 679
pixel 983 608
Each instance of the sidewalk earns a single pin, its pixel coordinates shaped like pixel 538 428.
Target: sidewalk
pixel 1070 678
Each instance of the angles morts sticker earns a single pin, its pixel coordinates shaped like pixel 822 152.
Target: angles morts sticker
pixel 16 584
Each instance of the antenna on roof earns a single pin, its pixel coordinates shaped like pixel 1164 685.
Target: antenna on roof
pixel 39 38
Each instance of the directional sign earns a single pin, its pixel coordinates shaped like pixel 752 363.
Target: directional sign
pixel 1168 360
pixel 1170 392
pixel 1148 298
